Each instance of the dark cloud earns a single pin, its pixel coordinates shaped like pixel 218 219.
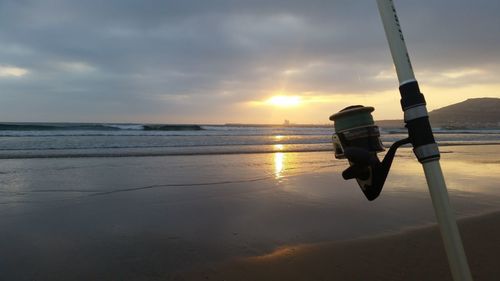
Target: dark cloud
pixel 121 59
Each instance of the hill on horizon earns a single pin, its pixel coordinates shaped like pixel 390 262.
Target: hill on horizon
pixel 473 113
pixel 477 112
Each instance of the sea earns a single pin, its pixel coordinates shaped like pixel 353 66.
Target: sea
pixel 58 140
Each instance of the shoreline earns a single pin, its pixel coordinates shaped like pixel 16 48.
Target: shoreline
pixel 415 253
pixel 7 156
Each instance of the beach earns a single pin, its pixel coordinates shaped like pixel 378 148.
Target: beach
pixel 172 217
pixel 411 255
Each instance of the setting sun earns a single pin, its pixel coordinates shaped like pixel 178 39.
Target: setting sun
pixel 284 101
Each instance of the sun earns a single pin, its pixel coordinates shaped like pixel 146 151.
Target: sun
pixel 284 101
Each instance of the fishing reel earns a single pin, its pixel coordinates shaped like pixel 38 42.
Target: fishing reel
pixel 357 139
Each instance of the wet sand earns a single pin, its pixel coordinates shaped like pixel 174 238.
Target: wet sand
pixel 168 218
pixel 412 255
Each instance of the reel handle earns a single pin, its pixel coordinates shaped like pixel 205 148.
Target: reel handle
pixel 367 169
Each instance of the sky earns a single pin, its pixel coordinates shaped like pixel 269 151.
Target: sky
pixel 223 61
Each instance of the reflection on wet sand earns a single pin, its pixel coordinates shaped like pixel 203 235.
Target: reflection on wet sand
pixel 279 158
pixel 283 162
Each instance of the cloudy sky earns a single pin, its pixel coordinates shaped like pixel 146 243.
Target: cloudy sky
pixel 218 61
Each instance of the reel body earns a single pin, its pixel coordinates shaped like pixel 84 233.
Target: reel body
pixel 357 139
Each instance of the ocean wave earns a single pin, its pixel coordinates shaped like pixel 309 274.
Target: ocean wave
pixel 214 150
pixel 52 127
pixel 189 151
pixel 152 134
pixel 96 127
pixel 127 127
pixel 172 127
pixel 177 145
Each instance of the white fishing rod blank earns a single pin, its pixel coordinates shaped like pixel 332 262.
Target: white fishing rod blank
pixel 422 139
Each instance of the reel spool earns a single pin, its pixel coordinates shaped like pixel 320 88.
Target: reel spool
pixel 354 127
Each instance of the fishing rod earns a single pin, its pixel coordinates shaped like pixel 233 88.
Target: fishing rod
pixel 357 139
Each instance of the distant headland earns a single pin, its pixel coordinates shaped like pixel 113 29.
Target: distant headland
pixel 477 113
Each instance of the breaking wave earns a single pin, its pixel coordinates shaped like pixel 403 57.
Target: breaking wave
pixel 97 127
